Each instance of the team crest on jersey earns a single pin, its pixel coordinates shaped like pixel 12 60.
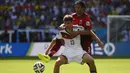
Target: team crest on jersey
pixel 87 23
pixel 80 22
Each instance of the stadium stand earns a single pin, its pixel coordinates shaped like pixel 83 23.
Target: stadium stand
pixel 45 16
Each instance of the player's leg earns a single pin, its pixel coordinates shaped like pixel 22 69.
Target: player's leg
pixel 61 60
pixel 90 61
pixel 55 48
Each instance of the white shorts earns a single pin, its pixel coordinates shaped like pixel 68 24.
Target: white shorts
pixel 73 56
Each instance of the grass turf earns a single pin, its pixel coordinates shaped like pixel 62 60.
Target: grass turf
pixel 103 66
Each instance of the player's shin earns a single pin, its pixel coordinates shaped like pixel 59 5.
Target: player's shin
pixel 93 69
pixel 51 53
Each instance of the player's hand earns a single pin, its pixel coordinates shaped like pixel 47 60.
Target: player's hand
pixel 61 27
pixel 47 51
pixel 101 45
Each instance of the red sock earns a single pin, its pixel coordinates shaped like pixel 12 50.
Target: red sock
pixel 52 53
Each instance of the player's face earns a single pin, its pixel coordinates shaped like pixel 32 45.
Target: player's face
pixel 79 10
pixel 68 23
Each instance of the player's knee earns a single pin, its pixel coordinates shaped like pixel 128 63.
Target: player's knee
pixel 61 60
pixel 90 61
pixel 59 63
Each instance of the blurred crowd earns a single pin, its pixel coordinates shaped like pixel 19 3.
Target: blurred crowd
pixel 47 14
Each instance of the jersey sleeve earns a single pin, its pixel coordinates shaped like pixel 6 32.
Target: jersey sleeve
pixel 58 36
pixel 88 23
pixel 78 28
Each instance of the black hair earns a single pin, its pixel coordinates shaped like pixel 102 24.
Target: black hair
pixel 81 3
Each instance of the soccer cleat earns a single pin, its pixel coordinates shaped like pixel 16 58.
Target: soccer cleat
pixel 44 58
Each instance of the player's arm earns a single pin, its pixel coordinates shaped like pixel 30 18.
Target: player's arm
pixel 53 42
pixel 85 32
pixel 88 26
pixel 79 30
pixel 73 33
pixel 80 33
pixel 61 27
pixel 90 32
pixel 97 39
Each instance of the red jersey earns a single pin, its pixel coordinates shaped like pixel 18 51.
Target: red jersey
pixel 84 21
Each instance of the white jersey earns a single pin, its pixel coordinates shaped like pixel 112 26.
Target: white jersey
pixel 68 41
pixel 72 44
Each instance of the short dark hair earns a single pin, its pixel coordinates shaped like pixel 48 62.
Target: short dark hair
pixel 81 3
pixel 67 18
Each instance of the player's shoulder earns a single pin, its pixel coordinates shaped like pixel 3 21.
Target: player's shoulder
pixel 86 14
pixel 62 24
pixel 73 14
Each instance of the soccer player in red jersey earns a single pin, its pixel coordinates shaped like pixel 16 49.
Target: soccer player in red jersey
pixel 82 19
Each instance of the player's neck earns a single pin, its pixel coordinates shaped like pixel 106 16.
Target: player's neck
pixel 80 15
pixel 69 29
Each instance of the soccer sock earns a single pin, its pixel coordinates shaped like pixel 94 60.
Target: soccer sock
pixel 51 53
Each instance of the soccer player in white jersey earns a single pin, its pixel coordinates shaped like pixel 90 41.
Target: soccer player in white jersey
pixel 73 51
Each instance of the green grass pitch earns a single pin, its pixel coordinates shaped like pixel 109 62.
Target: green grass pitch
pixel 103 66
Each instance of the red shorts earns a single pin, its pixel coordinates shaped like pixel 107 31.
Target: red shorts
pixel 86 41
